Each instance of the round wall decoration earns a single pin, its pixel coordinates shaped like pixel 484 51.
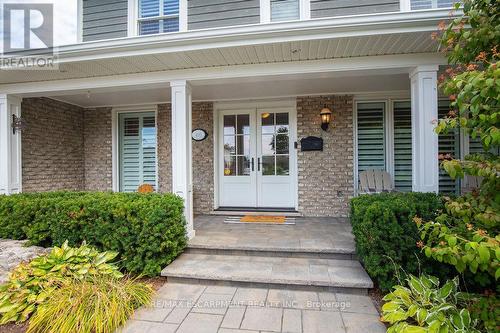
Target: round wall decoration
pixel 199 134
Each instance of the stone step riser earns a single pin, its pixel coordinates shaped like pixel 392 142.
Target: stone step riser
pixel 277 254
pixel 246 284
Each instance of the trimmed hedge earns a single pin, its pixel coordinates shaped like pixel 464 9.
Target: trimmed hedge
pixel 386 235
pixel 147 230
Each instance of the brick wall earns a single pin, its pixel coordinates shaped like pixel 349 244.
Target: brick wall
pixel 203 159
pixel 326 177
pixel 203 163
pixel 52 146
pixel 97 136
pixel 164 142
pixel 66 147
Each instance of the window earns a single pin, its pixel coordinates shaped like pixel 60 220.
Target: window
pixel 158 16
pixel 371 136
pixel 429 4
pixel 137 150
pixel 448 144
pixel 374 151
pixel 285 10
pixel 402 146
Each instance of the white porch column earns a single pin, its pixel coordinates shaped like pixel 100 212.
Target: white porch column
pixel 10 146
pixel 182 173
pixel 424 111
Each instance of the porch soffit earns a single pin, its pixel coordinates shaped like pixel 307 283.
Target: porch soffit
pixel 304 41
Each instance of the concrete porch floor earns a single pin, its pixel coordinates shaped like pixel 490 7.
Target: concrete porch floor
pixel 320 235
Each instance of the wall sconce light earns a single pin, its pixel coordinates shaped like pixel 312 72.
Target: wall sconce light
pixel 326 117
pixel 18 124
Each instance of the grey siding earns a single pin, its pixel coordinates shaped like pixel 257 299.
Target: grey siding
pixel 330 8
pixel 104 19
pixel 220 13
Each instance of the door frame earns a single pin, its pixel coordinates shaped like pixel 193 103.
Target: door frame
pixel 288 103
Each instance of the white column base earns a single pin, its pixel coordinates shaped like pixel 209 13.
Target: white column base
pixel 424 113
pixel 182 173
pixel 10 146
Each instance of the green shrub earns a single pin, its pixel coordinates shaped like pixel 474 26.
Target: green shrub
pixel 387 236
pixel 30 284
pixel 424 306
pixel 99 304
pixel 147 230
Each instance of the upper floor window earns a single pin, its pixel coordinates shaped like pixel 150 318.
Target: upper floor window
pixel 285 10
pixel 157 16
pixel 430 4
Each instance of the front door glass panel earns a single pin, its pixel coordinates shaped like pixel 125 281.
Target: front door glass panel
pixel 236 145
pixel 275 144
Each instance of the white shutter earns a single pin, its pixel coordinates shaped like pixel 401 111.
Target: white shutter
pixel 371 136
pixel 402 146
pixel 137 151
pixel 284 10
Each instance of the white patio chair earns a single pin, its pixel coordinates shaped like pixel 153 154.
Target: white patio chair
pixel 375 181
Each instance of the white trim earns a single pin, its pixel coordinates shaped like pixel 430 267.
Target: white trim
pixel 215 155
pixel 305 9
pixel 115 135
pixel 404 61
pixel 424 110
pixel 183 15
pixel 133 6
pixel 265 11
pixel 405 5
pixel 79 24
pixel 10 181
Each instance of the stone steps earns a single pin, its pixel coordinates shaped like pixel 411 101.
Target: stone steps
pixel 270 271
pixel 287 253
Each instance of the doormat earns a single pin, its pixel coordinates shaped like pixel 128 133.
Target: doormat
pixel 262 219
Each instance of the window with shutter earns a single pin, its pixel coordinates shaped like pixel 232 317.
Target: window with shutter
pixel 157 16
pixel 285 10
pixel 137 150
pixel 402 146
pixel 371 136
pixel 476 147
pixel 449 144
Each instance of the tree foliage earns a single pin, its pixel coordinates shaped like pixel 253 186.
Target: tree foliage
pixel 466 233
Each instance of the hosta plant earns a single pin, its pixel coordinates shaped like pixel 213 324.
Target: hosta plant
pixel 30 284
pixel 425 306
pixel 99 304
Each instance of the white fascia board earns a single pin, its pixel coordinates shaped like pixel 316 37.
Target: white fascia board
pixel 344 26
pixel 212 74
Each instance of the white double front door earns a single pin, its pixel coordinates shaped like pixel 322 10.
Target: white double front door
pixel 257 158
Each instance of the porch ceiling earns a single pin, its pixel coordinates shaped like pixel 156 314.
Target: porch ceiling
pixel 356 82
pixel 385 44
pixel 400 33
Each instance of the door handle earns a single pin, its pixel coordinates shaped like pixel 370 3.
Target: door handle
pixel 258 164
pixel 253 166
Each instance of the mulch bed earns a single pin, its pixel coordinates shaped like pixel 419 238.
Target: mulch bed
pixel 376 296
pixel 14 328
